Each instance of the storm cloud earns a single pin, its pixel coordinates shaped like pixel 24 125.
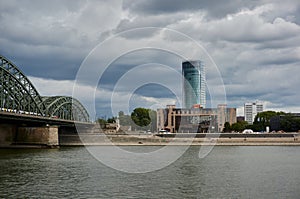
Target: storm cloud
pixel 254 44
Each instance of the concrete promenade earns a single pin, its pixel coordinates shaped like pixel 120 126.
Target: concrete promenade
pixel 153 140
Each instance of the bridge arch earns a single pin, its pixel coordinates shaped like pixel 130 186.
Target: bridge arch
pixel 65 108
pixel 16 91
pixel 17 94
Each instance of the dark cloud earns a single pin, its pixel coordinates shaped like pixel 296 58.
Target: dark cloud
pixel 128 62
pixel 282 61
pixel 51 39
pixel 50 63
pixel 213 8
pixel 255 44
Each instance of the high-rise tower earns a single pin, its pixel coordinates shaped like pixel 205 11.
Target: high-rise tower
pixel 194 83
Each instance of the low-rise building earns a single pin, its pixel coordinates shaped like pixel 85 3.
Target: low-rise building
pixel 196 119
pixel 240 118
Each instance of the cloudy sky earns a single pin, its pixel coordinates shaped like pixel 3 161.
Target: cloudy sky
pixel 251 50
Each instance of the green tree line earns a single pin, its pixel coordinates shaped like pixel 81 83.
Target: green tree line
pixel 139 119
pixel 288 122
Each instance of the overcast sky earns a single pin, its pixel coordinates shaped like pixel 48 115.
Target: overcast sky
pixel 253 45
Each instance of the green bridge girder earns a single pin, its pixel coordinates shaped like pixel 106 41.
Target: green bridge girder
pixel 17 94
pixel 65 107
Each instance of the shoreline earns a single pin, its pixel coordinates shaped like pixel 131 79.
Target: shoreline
pixel 96 139
pixel 184 144
pixel 153 140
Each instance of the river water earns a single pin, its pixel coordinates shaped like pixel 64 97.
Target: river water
pixel 227 172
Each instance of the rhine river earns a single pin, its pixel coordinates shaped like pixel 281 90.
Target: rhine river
pixel 227 172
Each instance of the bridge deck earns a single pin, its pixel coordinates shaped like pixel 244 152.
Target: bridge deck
pixel 9 117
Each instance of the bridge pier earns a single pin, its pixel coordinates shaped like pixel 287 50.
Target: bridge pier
pixel 7 134
pixel 45 136
pixel 25 115
pixel 12 135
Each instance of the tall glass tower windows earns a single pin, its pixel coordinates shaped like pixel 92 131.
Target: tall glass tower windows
pixel 194 83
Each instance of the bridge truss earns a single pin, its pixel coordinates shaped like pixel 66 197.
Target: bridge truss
pixel 18 95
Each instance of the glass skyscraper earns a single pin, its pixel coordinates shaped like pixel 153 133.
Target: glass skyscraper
pixel 194 83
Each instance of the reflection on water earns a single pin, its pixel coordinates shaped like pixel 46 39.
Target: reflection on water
pixel 227 172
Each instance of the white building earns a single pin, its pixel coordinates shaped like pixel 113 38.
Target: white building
pixel 251 110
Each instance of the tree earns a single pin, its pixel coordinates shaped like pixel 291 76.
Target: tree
pixel 111 120
pixel 102 122
pixel 290 123
pixel 227 127
pixel 239 126
pixel 262 120
pixel 141 117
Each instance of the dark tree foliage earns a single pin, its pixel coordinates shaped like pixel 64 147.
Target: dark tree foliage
pixel 262 120
pixel 239 126
pixel 102 122
pixel 236 127
pixel 144 119
pixel 141 117
pixel 290 123
pixel 111 120
pixel 227 127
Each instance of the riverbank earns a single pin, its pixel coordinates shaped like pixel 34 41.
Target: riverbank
pixel 97 139
pixel 154 140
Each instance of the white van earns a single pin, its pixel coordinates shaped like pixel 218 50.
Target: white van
pixel 164 131
pixel 248 131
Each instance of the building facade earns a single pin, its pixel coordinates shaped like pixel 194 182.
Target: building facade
pixel 195 119
pixel 251 110
pixel 194 83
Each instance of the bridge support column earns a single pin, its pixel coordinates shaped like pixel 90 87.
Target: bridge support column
pixel 7 134
pixel 45 136
pixel 13 136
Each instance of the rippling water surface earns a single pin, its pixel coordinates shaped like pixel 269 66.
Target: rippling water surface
pixel 227 172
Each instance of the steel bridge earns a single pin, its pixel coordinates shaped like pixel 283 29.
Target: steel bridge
pixel 19 96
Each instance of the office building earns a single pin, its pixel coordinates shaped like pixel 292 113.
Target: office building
pixel 195 119
pixel 251 110
pixel 194 83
